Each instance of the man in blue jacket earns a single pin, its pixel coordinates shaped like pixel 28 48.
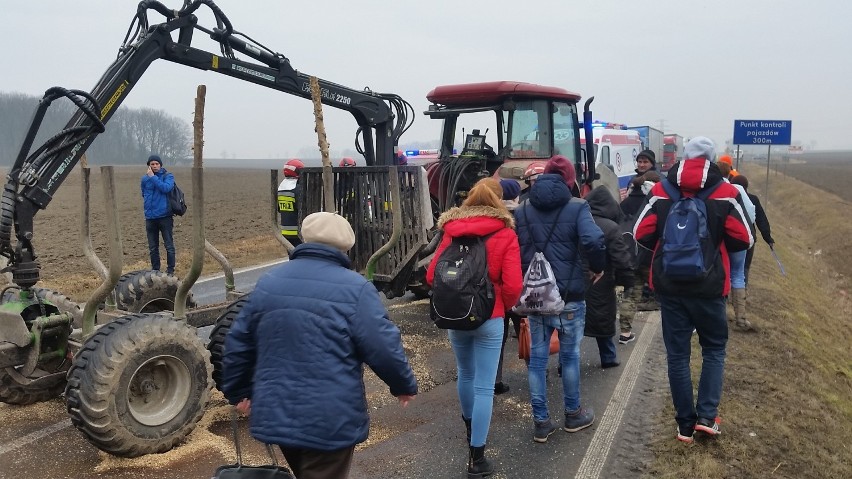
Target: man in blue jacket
pixel 294 356
pixel 157 183
pixel 552 222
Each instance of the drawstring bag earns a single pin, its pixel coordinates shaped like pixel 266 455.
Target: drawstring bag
pixel 242 471
pixel 540 294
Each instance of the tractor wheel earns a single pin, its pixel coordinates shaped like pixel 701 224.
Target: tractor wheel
pixel 139 385
pixel 148 291
pixel 63 303
pixel 44 386
pixel 216 346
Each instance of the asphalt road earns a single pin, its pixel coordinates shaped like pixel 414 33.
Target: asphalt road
pixel 424 440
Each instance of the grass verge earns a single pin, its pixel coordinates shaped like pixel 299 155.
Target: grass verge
pixel 787 399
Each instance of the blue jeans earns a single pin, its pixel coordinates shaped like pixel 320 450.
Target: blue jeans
pixel 680 315
pixel 477 354
pixel 154 228
pixel 606 347
pixel 570 325
pixel 738 260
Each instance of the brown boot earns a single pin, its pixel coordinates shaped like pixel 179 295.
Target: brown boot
pixel 738 296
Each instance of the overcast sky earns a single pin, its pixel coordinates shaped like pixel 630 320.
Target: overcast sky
pixel 690 67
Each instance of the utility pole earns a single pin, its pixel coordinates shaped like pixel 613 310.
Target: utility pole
pixel 662 124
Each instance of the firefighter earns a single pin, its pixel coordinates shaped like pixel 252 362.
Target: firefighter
pixel 532 172
pixel 287 208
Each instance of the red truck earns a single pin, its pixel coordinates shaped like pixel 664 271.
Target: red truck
pixel 672 150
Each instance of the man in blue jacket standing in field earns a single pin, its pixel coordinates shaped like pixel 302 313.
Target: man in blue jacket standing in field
pixel 294 356
pixel 157 183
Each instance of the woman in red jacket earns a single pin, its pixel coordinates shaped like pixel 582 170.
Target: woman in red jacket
pixel 478 351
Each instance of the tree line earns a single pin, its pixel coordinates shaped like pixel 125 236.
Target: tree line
pixel 131 135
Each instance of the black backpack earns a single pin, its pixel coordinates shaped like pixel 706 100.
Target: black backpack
pixel 686 247
pixel 462 294
pixel 176 201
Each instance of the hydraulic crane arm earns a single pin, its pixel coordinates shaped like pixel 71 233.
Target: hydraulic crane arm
pixel 35 176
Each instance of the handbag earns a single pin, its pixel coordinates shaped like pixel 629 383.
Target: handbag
pixel 242 471
pixel 525 341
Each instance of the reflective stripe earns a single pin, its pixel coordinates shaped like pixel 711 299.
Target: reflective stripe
pixel 290 232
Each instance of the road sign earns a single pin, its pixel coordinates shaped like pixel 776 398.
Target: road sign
pixel 762 132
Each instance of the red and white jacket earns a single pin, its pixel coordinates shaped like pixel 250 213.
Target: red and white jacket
pixel 727 223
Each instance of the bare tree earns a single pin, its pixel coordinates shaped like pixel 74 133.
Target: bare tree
pixel 131 134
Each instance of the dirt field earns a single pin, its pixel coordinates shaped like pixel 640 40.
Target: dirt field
pixel 237 221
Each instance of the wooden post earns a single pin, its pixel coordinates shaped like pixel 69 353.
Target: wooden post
pixel 322 141
pixel 198 126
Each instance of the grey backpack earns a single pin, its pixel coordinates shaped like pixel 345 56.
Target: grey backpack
pixel 540 294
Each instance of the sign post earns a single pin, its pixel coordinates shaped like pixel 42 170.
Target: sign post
pixel 763 132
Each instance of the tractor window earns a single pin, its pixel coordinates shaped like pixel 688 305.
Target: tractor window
pixel 528 130
pixel 482 121
pixel 565 130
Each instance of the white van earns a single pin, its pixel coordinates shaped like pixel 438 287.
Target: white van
pixel 616 149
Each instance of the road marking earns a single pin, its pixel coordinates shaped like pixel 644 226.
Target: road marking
pixel 598 450
pixel 34 436
pixel 408 303
pixel 242 270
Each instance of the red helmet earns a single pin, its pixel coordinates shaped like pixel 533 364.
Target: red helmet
pixel 292 167
pixel 401 159
pixel 346 161
pixel 533 170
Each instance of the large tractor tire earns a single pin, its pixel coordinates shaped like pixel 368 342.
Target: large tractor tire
pixel 216 346
pixel 139 385
pixel 148 291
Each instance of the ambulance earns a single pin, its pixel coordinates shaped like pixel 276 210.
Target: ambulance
pixel 616 148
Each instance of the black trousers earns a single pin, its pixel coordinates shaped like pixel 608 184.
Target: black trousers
pixel 313 464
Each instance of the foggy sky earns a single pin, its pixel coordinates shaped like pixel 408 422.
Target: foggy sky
pixel 689 68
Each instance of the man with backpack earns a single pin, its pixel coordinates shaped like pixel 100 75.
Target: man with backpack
pixel 692 220
pixel 156 185
pixel 555 224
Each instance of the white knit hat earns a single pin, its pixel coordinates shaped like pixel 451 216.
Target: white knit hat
pixel 700 146
pixel 329 229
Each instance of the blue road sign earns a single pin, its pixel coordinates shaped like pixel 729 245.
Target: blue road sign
pixel 762 132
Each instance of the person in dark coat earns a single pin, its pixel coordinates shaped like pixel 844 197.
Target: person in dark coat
pixel 760 220
pixel 294 356
pixel 636 296
pixel 601 301
pixel 551 207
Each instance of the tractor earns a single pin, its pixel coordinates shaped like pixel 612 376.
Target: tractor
pixel 136 377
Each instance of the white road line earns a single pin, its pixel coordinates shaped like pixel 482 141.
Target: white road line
pixel 34 436
pixel 242 270
pixel 596 454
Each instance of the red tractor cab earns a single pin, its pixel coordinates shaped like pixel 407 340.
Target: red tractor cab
pixel 529 123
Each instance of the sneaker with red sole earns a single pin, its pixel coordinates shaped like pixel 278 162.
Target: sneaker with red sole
pixel 709 426
pixel 684 435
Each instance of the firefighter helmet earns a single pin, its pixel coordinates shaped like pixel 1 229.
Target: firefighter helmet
pixel 292 167
pixel 533 170
pixel 347 162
